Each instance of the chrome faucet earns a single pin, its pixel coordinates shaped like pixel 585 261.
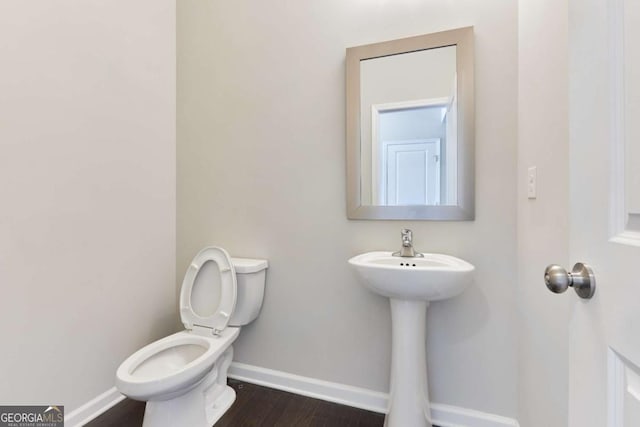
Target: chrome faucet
pixel 407 245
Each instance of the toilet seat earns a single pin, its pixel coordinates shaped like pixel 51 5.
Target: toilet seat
pixel 219 320
pixel 166 379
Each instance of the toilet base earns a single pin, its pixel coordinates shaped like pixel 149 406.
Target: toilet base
pixel 201 406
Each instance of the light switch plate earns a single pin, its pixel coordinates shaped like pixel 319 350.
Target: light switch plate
pixel 532 182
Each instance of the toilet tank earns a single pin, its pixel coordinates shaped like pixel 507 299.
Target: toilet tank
pixel 250 275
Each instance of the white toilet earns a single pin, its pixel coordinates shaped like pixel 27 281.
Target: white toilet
pixel 183 377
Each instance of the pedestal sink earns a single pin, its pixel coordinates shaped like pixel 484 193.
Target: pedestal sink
pixel 410 284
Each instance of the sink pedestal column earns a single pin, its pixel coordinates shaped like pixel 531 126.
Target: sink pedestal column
pixel 409 397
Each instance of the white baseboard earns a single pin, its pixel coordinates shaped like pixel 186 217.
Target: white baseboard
pixel 454 416
pixel 443 415
pixel 93 408
pixel 311 387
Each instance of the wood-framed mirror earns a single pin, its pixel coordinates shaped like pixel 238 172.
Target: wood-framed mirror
pixel 410 128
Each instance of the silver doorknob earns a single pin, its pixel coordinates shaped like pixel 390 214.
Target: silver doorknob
pixel 581 279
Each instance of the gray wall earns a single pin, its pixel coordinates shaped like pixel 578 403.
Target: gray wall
pixel 261 172
pixel 87 192
pixel 543 224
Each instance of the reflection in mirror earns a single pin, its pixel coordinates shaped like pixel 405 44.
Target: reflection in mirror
pixel 408 134
pixel 410 128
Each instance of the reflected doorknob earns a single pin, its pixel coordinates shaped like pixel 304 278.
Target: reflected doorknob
pixel 581 279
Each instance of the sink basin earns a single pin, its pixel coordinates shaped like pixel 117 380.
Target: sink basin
pixel 411 284
pixel 434 277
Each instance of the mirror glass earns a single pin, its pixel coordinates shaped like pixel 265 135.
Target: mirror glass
pixel 407 128
pixel 410 122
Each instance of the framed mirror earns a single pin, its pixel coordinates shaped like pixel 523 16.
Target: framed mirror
pixel 410 128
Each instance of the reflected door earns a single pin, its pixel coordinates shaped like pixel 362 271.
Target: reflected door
pixel 411 172
pixel 408 152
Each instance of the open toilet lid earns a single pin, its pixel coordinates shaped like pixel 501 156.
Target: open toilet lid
pixel 216 318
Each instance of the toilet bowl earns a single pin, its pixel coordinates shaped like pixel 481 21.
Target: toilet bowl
pixel 183 377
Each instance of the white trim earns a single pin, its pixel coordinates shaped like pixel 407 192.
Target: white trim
pixel 443 415
pixel 93 408
pixel 622 380
pixel 453 416
pixel 414 103
pixel 615 389
pixel 318 389
pixel 629 238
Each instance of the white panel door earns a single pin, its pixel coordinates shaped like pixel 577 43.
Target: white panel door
pixel 604 348
pixel 411 172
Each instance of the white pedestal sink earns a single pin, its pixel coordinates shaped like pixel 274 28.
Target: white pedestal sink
pixel 411 283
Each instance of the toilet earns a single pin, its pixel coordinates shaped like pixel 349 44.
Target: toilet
pixel 183 377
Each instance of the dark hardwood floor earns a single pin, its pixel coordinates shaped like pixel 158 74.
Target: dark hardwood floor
pixel 259 406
